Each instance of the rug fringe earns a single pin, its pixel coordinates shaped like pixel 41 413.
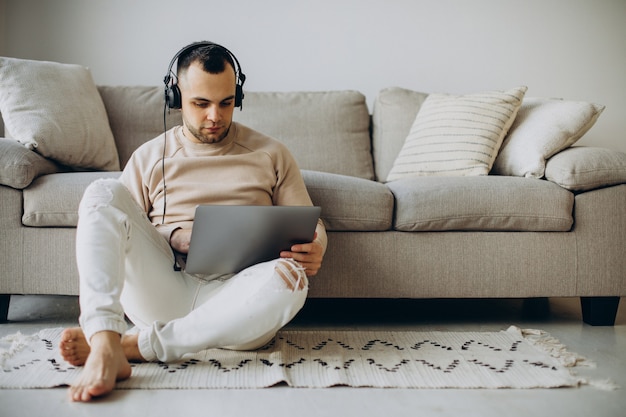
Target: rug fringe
pixel 16 343
pixel 604 384
pixel 552 346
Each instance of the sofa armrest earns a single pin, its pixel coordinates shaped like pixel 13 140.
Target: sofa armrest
pixel 583 168
pixel 19 166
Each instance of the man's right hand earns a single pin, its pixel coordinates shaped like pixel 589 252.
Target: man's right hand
pixel 179 240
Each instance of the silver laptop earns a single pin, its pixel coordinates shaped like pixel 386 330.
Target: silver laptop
pixel 227 239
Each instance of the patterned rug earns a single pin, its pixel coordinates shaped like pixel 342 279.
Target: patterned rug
pixel 513 358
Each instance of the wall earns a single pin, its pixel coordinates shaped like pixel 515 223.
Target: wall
pixel 559 48
pixel 2 26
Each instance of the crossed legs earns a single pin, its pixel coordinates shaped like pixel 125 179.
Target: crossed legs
pixel 106 355
pixel 125 267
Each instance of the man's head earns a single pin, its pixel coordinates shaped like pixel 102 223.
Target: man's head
pixel 209 86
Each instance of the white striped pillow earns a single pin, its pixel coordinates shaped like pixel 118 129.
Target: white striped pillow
pixel 457 135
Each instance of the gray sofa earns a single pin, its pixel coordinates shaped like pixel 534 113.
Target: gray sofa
pixel 490 236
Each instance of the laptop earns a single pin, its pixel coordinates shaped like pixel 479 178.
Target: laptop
pixel 227 239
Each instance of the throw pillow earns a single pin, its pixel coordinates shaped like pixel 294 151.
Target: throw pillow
pixel 20 166
pixel 56 110
pixel 457 135
pixel 543 128
pixel 582 168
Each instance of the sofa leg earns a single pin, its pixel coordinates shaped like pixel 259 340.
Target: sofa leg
pixel 599 311
pixel 5 300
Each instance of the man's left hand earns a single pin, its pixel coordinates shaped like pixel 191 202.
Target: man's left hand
pixel 309 255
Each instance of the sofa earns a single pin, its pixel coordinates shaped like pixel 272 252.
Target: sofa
pixel 541 217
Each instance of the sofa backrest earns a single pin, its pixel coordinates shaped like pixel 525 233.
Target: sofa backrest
pixel 325 131
pixel 135 116
pixel 393 114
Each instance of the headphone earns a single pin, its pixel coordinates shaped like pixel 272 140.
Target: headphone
pixel 172 92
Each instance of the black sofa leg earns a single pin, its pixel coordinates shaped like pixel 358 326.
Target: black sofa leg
pixel 5 300
pixel 599 311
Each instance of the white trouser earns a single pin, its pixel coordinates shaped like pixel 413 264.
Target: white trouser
pixel 126 267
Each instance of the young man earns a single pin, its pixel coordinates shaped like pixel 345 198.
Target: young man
pixel 126 234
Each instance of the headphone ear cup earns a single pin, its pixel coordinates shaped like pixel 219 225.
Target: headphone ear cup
pixel 238 95
pixel 172 97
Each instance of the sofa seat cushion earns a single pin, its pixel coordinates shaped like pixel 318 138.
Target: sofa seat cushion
pixel 350 203
pixel 52 200
pixel 486 203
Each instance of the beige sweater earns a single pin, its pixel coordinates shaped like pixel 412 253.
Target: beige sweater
pixel 245 168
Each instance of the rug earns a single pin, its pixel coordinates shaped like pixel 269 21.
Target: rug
pixel 513 358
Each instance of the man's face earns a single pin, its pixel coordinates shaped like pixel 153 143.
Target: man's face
pixel 208 101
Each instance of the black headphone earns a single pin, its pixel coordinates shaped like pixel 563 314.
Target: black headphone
pixel 172 92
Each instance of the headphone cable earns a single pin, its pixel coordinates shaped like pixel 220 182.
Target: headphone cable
pixel 163 161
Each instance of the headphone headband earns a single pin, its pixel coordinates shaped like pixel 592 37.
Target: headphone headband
pixel 172 92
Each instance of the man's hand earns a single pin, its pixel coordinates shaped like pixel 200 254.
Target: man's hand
pixel 309 255
pixel 179 240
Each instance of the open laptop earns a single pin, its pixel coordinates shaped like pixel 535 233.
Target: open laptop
pixel 227 239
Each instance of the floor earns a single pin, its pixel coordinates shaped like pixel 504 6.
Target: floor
pixel 606 346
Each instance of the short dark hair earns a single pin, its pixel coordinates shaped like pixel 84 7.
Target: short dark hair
pixel 212 57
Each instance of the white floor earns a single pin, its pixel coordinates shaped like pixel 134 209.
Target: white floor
pixel 606 346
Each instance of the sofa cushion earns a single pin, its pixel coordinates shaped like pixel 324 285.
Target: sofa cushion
pixel 349 203
pixel 56 110
pixel 586 168
pixel 457 135
pixel 393 114
pixel 325 131
pixel 19 166
pixel 52 200
pixel 136 116
pixel 542 128
pixel 486 203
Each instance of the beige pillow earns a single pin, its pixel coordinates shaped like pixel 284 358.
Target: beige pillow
pixel 457 135
pixel 56 110
pixel 20 166
pixel 582 168
pixel 543 128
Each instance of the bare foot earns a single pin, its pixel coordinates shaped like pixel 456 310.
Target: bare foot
pixel 105 364
pixel 74 347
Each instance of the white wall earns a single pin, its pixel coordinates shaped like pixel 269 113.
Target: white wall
pixel 573 49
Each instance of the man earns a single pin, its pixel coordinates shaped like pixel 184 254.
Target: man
pixel 126 233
